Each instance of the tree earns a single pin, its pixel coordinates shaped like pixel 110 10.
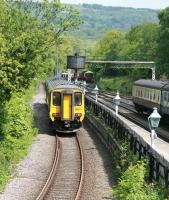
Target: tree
pixel 141 43
pixel 27 40
pixel 163 43
pixel 108 47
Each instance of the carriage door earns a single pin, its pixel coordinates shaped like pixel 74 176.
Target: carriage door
pixel 67 107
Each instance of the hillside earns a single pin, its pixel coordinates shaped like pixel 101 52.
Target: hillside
pixel 99 19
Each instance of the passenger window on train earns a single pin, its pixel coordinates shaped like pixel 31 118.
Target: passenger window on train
pixel 139 93
pixel 145 93
pixel 154 97
pixel 78 99
pixel 56 99
pixel 165 96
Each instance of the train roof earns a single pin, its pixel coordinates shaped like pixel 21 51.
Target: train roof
pixel 151 83
pixel 53 83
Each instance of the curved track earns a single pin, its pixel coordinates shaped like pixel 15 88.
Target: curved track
pixel 67 174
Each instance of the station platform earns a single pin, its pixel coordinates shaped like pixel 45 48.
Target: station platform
pixel 160 149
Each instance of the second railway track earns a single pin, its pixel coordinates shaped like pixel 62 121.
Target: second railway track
pixel 66 178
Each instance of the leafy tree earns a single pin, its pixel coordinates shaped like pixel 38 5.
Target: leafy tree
pixel 27 40
pixel 108 47
pixel 141 43
pixel 163 43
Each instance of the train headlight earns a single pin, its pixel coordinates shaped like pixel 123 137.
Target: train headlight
pixel 55 115
pixel 78 115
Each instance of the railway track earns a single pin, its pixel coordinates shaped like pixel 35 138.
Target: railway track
pixel 65 180
pixel 129 112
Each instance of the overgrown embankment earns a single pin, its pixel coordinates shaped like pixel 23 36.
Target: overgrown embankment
pixel 16 131
pixel 133 183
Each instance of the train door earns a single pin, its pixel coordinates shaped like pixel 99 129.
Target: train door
pixel 67 107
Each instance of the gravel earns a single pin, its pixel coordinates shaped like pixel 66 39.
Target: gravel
pixel 100 176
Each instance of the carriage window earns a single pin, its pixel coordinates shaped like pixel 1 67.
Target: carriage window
pixel 78 99
pixel 165 96
pixel 56 99
pixel 154 97
pixel 145 92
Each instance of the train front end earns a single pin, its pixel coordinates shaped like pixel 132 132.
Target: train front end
pixel 66 107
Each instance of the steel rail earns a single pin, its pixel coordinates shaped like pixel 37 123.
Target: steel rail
pixel 52 172
pixel 81 181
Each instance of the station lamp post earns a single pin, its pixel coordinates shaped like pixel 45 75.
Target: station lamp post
pixel 76 81
pixel 96 91
pixel 117 102
pixel 84 87
pixel 153 121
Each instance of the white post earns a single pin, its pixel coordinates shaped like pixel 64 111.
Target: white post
pixel 153 73
pixel 84 90
pixel 96 97
pixel 116 108
pixel 153 137
pixel 69 75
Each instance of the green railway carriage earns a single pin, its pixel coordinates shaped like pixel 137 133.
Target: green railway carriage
pixel 66 105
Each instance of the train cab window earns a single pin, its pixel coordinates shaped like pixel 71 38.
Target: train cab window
pixel 56 99
pixel 78 98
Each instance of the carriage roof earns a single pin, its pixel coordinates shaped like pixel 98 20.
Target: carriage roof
pixel 53 83
pixel 151 83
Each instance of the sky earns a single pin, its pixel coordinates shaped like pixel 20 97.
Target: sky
pixel 153 4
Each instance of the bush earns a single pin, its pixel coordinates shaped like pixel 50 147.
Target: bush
pixel 17 131
pixel 132 185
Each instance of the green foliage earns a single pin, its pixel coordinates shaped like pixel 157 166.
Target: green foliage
pixel 163 42
pixel 108 47
pixel 17 131
pixel 141 43
pixel 132 185
pixel 124 85
pixel 133 182
pixel 28 39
